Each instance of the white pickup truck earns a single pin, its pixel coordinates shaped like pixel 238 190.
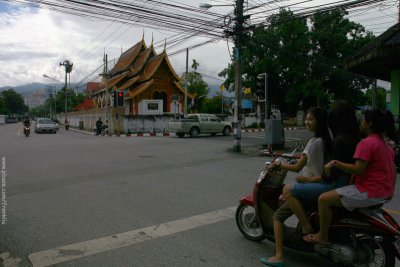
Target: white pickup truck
pixel 194 124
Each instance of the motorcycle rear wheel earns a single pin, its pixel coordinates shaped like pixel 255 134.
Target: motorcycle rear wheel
pixel 248 224
pixel 371 252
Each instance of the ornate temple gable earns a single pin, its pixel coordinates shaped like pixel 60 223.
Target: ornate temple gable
pixel 141 60
pixel 128 83
pixel 170 67
pixel 114 80
pixel 153 65
pixel 139 89
pixel 128 57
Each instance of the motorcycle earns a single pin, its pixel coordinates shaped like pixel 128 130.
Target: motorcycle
pixel 364 237
pixel 27 130
pixel 67 126
pixel 102 130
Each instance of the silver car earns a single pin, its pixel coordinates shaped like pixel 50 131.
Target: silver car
pixel 45 125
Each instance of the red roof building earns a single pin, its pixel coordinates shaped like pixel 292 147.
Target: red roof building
pixel 86 104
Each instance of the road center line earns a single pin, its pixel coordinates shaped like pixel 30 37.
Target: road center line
pixel 103 244
pixel 392 211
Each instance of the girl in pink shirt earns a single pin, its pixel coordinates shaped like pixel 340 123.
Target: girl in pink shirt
pixel 373 170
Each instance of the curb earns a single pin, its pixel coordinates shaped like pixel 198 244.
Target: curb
pixel 262 130
pixel 127 135
pixel 170 134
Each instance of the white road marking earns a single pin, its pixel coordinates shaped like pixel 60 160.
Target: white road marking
pixel 103 244
pixel 9 261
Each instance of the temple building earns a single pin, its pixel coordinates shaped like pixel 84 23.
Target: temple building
pixel 150 87
pixel 148 81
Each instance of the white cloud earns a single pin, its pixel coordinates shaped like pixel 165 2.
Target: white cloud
pixel 35 41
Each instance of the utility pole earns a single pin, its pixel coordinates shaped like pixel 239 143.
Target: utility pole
pixel 186 81
pixel 68 68
pixel 104 79
pixel 238 76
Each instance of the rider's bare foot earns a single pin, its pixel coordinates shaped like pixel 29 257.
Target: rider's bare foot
pixel 315 239
pixel 307 231
pixel 275 259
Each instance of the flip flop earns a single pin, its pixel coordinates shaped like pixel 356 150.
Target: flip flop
pixel 273 264
pixel 310 238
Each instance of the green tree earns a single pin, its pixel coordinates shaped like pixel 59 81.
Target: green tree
pixel 303 58
pixel 213 105
pixel 334 38
pixel 380 98
pixel 70 97
pixel 196 86
pixel 3 108
pixel 13 102
pixel 57 103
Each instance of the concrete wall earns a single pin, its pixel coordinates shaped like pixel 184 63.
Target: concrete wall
pixel 3 119
pixel 135 124
pixel 88 118
pixel 147 124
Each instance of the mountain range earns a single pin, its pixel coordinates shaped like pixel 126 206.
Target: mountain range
pixel 27 89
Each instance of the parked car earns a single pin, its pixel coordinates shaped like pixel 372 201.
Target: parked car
pixel 11 118
pixel 194 124
pixel 45 125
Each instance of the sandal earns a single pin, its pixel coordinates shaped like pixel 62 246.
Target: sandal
pixel 273 264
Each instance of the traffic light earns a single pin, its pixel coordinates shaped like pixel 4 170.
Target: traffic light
pixel 260 87
pixel 120 99
pixel 114 99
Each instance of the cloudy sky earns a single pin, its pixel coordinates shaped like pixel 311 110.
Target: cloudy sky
pixel 34 40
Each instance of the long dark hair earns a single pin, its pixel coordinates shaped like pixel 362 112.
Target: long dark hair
pixel 342 120
pixel 322 129
pixel 378 121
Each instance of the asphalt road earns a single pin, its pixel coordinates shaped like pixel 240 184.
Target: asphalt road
pixel 80 200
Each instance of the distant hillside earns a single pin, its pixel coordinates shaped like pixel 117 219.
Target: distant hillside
pixel 33 87
pixel 27 88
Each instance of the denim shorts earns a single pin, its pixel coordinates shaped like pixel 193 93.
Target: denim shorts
pixel 310 191
pixel 352 198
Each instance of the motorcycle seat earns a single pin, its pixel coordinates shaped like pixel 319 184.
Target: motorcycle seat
pixel 378 206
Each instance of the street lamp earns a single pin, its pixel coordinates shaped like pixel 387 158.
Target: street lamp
pixel 51 78
pixel 208 6
pixel 238 71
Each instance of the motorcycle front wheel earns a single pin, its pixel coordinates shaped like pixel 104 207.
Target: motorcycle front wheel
pixel 248 224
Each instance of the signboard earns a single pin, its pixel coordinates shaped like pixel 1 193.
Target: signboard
pixel 247 104
pixel 150 107
pixel 175 97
